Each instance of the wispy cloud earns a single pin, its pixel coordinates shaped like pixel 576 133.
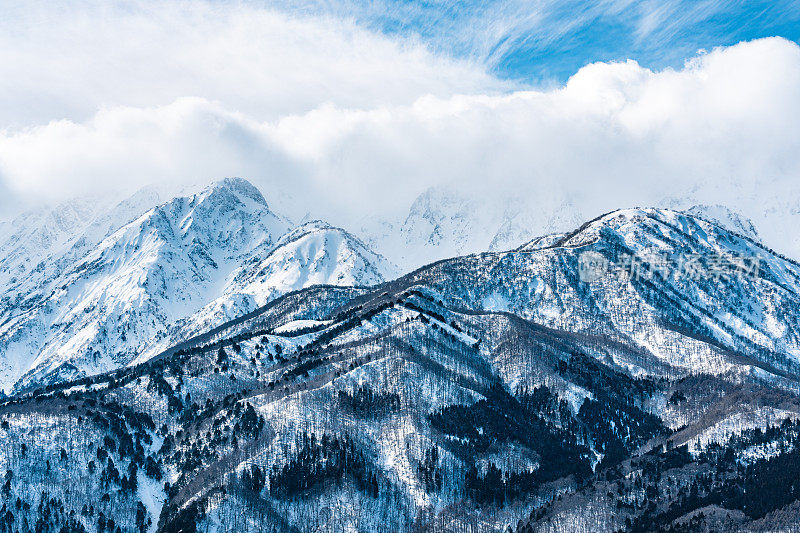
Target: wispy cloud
pixel 269 59
pixel 538 40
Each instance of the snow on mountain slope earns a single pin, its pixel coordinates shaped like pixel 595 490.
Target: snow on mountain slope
pixel 499 373
pixel 37 246
pixel 38 234
pixel 442 223
pixel 202 259
pixel 318 254
pixel 178 269
pixel 162 267
pixel 685 322
pixel 314 253
pixel 727 218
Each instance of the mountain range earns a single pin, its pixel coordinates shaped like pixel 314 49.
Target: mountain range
pixel 117 285
pixel 207 365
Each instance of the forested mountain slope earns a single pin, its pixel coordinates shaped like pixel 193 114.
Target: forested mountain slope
pixel 480 393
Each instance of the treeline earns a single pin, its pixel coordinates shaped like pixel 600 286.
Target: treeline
pixel 613 418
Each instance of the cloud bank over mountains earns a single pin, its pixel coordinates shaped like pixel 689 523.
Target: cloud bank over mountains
pixel 352 123
pixel 72 58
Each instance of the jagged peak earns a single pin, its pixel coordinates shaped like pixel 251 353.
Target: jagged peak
pixel 435 200
pixel 236 186
pixel 148 193
pixel 315 225
pixel 233 193
pixel 322 232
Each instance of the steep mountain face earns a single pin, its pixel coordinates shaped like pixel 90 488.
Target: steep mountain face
pixel 446 222
pixel 38 247
pixel 314 253
pixel 480 393
pixel 47 329
pixel 176 268
pixel 35 235
pixel 159 268
pixel 775 214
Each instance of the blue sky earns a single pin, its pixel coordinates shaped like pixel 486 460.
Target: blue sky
pixel 539 42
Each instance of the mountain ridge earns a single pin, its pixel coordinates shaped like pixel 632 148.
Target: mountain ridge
pixel 163 266
pixel 477 392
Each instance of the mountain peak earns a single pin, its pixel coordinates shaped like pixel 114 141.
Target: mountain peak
pixel 313 225
pixel 238 186
pixel 309 227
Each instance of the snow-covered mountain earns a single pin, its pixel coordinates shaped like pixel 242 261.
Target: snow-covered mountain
pixel 669 312
pixel 727 218
pixel 123 287
pixel 38 245
pixel 487 392
pixel 35 235
pixel 314 253
pixel 443 223
pixel 87 289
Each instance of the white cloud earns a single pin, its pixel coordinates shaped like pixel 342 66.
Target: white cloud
pixel 615 135
pixel 723 129
pixel 65 60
